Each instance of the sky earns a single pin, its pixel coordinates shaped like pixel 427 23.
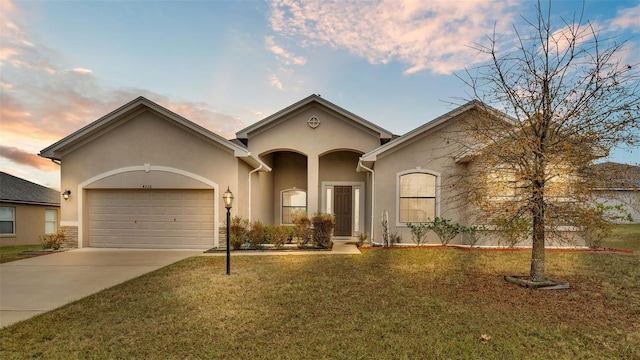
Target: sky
pixel 227 64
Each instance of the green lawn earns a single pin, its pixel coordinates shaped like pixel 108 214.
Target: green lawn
pixel 624 237
pixel 384 304
pixel 12 253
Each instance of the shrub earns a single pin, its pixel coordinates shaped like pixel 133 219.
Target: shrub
pixel 256 235
pixel 394 238
pixel 238 229
pixel 596 223
pixel 419 232
pixel 362 237
pixel 445 229
pixel 281 236
pixel 513 231
pixel 323 225
pixel 303 232
pixel 53 241
pixel 269 234
pixel 388 238
pixel 472 233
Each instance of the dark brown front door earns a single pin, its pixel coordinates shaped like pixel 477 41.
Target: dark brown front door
pixel 342 209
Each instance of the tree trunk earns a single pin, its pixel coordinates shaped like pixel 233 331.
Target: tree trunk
pixel 537 246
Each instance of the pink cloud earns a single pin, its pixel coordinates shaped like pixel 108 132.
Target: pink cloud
pixel 425 35
pixel 21 157
pixel 43 99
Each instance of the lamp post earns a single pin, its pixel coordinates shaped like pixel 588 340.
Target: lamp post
pixel 228 201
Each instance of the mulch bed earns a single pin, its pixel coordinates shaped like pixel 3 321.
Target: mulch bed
pixel 283 249
pixel 42 252
pixel 519 249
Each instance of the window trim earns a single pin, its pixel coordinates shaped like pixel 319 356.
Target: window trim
pixel 306 200
pixel 13 221
pixel 417 170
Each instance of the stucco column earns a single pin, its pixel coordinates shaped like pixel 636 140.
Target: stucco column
pixel 312 184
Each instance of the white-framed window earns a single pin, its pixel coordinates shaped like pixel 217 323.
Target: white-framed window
pixel 417 196
pixel 294 202
pixel 7 220
pixel 50 221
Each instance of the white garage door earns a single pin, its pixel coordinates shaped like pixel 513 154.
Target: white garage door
pixel 178 219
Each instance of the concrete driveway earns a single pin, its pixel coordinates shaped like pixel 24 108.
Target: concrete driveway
pixel 33 286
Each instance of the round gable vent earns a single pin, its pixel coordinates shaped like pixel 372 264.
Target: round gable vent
pixel 313 122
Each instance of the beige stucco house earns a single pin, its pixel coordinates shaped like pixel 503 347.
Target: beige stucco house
pixel 28 211
pixel 143 176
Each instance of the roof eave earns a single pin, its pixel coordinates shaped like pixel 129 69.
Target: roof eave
pixel 383 133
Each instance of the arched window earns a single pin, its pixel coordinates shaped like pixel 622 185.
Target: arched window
pixel 417 197
pixel 294 202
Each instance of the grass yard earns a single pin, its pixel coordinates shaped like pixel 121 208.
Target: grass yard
pixel 12 253
pixel 384 304
pixel 624 237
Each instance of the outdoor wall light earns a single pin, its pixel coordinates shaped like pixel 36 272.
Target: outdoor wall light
pixel 228 201
pixel 66 194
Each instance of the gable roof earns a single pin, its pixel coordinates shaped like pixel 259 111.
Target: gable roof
pixel 53 151
pixel 244 133
pixel 370 157
pixel 20 191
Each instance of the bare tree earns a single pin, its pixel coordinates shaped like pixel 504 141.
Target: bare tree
pixel 569 100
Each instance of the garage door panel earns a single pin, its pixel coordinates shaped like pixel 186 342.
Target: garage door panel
pixel 151 218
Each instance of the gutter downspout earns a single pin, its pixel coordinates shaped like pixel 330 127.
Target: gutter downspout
pixel 251 173
pixel 373 198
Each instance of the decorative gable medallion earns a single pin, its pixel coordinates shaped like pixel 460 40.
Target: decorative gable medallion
pixel 313 122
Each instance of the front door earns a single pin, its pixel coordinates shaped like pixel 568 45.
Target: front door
pixel 342 200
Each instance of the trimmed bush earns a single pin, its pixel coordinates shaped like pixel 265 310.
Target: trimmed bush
pixel 256 235
pixel 53 241
pixel 282 235
pixel 239 229
pixel 303 231
pixel 323 225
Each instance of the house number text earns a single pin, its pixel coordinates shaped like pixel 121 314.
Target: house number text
pixel 147 186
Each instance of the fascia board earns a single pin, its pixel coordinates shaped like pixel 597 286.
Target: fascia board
pixel 244 133
pixel 105 121
pixel 372 155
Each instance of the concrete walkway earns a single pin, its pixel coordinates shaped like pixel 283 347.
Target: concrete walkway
pixel 36 285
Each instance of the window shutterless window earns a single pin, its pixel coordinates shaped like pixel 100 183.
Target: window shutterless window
pixel 50 221
pixel 7 220
pixel 294 202
pixel 417 202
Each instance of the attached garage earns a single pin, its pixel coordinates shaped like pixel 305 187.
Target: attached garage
pixel 150 218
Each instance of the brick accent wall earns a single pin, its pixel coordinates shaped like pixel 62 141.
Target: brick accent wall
pixel 72 236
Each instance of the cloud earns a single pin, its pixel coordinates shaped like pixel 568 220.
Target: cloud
pixel 424 35
pixel 283 55
pixel 275 82
pixel 628 19
pixel 44 98
pixel 21 157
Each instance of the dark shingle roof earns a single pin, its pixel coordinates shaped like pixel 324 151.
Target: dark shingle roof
pixel 16 190
pixel 617 176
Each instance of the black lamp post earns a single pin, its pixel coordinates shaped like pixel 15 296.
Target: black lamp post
pixel 228 201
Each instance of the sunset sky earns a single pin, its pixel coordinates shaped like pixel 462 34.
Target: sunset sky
pixel 227 64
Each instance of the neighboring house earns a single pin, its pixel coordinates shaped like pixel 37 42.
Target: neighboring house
pixel 27 211
pixel 143 176
pixel 620 186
